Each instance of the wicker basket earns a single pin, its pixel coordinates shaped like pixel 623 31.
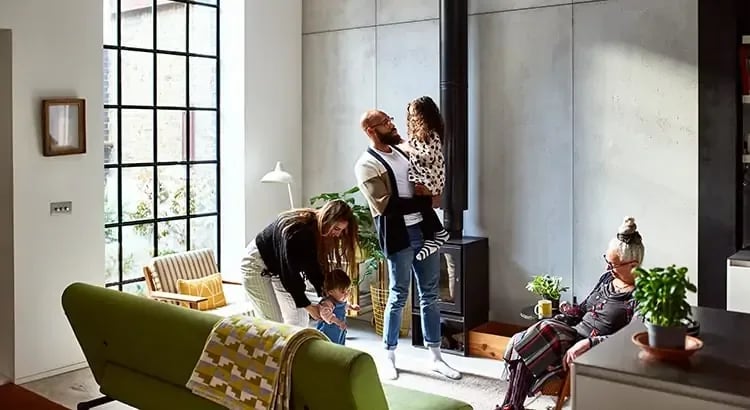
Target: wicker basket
pixel 379 294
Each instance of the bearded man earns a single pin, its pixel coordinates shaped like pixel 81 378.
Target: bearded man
pixel 382 177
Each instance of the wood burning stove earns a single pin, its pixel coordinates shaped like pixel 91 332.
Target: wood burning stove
pixel 462 292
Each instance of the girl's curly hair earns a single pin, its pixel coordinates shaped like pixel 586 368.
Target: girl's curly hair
pixel 426 119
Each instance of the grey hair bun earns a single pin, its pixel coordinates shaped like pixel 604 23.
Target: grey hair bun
pixel 628 232
pixel 628 226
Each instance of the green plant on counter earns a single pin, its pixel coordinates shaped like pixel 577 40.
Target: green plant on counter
pixel 661 295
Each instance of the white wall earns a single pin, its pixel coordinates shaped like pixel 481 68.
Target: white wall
pixel 579 114
pixel 7 329
pixel 636 129
pixel 57 51
pixel 261 54
pixel 273 106
pixel 232 136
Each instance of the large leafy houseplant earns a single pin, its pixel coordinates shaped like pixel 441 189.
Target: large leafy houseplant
pixel 368 248
pixel 661 298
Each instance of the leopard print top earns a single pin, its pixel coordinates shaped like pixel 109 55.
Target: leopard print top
pixel 427 164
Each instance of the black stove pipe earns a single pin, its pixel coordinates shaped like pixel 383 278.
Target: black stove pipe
pixel 454 108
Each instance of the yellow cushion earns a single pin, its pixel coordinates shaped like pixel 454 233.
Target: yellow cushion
pixel 208 286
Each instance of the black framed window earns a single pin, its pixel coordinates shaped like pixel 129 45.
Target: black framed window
pixel 161 133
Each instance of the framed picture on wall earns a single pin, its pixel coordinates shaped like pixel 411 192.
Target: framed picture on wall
pixel 64 126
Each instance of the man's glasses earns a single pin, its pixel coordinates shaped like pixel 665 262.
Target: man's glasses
pixel 386 121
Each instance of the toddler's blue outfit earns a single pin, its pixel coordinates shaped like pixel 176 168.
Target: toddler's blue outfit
pixel 332 330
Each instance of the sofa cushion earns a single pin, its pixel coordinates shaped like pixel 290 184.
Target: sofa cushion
pixel 401 398
pixel 209 287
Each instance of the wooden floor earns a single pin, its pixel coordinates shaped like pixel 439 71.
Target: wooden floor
pixel 13 397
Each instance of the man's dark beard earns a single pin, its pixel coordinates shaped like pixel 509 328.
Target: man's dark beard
pixel 389 138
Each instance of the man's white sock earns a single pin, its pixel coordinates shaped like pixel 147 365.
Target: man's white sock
pixel 389 366
pixel 440 366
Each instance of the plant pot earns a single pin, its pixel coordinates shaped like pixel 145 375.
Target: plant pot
pixel 666 337
pixel 379 294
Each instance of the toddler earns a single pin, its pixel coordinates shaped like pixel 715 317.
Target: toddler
pixel 424 126
pixel 334 304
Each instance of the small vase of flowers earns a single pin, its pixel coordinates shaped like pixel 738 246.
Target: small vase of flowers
pixel 547 287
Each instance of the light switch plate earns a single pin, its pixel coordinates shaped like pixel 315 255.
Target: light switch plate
pixel 58 208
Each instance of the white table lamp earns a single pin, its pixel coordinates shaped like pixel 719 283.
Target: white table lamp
pixel 279 176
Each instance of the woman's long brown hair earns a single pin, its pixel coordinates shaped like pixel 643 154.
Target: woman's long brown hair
pixel 425 120
pixel 333 252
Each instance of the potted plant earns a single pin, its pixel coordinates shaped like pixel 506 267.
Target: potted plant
pixel 547 287
pixel 661 297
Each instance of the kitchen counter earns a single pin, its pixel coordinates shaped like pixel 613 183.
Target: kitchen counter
pixel 717 375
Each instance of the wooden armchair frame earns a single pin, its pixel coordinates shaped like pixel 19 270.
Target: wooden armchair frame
pixel 191 301
pixel 559 388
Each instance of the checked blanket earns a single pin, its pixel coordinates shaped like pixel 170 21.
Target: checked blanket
pixel 246 363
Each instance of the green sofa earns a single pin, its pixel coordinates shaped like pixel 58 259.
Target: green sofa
pixel 142 352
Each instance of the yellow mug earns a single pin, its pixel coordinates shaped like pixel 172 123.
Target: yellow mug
pixel 543 309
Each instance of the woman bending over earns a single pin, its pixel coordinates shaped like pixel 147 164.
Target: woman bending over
pixel 297 247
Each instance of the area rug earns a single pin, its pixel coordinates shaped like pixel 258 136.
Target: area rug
pixel 481 391
pixel 481 386
pixel 13 397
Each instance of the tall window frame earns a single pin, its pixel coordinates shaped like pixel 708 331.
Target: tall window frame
pixel 190 212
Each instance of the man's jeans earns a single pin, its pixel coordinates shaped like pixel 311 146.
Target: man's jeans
pixel 427 274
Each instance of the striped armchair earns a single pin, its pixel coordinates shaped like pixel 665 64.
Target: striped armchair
pixel 162 273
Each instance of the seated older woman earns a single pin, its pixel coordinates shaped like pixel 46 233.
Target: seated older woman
pixel 547 348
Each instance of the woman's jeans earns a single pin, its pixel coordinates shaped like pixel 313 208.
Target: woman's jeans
pixel 426 273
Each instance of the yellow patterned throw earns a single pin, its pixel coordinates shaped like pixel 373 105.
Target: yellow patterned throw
pixel 247 363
